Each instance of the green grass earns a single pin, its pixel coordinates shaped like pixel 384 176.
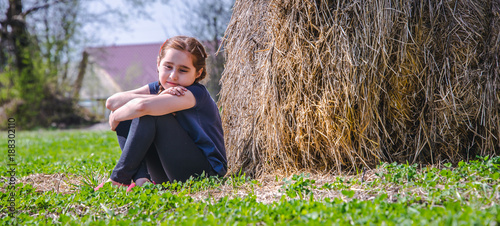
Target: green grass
pixel 393 194
pixel 63 151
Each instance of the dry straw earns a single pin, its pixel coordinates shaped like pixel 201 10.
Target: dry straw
pixel 338 85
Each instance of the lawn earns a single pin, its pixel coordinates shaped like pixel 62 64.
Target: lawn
pixel 57 170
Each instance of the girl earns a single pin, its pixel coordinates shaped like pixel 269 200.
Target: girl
pixel 171 129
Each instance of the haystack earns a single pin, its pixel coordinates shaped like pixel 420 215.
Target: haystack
pixel 338 85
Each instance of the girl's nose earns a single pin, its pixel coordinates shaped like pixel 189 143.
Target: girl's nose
pixel 173 75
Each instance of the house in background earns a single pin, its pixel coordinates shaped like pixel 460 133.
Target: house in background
pixel 113 69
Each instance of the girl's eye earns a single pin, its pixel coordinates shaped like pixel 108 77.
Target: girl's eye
pixel 184 71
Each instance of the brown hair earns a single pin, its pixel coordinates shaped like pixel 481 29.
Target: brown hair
pixel 191 45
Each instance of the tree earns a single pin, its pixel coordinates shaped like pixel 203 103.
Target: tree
pixel 22 81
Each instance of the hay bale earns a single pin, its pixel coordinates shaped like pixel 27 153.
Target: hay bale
pixel 335 85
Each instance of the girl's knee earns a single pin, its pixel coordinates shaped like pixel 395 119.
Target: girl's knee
pixel 168 118
pixel 143 122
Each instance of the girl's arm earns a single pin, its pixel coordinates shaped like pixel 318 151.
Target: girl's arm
pixel 154 105
pixel 119 99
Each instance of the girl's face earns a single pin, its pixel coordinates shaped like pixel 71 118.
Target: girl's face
pixel 176 69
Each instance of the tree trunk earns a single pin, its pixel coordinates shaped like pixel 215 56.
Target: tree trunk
pixel 19 36
pixel 81 73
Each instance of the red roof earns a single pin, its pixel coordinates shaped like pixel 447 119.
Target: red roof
pixel 130 66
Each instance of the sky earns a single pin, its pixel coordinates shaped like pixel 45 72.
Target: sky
pixel 165 23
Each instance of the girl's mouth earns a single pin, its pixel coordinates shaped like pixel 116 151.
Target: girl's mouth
pixel 173 84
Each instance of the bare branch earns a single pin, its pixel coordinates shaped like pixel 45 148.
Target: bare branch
pixel 44 6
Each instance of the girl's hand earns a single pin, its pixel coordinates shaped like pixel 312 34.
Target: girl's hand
pixel 176 91
pixel 112 122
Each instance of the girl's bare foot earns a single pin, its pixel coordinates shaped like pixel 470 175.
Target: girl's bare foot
pixel 114 183
pixel 141 181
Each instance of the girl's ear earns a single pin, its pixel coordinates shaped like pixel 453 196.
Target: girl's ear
pixel 199 73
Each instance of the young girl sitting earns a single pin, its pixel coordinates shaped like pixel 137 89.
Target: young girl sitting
pixel 171 129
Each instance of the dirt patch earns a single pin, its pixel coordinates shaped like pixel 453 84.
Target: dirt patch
pixel 269 189
pixel 59 182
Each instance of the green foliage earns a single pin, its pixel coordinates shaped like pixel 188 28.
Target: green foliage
pixel 299 185
pixel 70 151
pixel 339 184
pixel 23 81
pixel 33 97
pixel 465 194
pixel 34 72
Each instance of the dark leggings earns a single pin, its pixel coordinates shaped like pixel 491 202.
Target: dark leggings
pixel 158 148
